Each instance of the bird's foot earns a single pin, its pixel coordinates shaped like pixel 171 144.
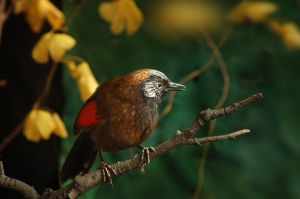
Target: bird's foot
pixel 106 176
pixel 146 154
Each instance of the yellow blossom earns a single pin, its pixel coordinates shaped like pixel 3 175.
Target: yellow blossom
pixel 185 17
pixel 40 124
pixel 288 32
pixel 55 44
pixel 85 79
pixel 253 11
pixel 36 11
pixel 122 14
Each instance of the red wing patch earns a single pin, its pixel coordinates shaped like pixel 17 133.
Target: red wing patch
pixel 87 117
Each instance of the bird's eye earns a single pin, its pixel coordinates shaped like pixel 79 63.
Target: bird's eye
pixel 159 85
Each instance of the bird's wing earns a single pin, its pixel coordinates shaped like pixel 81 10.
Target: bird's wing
pixel 103 99
pixel 88 117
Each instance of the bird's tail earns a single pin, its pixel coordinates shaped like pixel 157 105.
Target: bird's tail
pixel 80 158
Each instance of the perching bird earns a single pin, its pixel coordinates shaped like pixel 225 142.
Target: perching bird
pixel 120 114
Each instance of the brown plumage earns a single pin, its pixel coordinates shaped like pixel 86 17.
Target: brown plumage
pixel 121 114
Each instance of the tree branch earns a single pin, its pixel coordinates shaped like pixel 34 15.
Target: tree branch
pixel 17 185
pixel 211 114
pixel 84 183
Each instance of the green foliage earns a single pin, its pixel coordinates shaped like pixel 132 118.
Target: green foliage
pixel 260 165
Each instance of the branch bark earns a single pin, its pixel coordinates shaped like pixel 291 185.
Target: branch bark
pixel 84 183
pixel 17 185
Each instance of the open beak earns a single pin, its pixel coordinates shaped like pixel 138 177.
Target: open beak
pixel 175 87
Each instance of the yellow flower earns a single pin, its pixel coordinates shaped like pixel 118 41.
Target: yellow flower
pixel 253 11
pixel 288 32
pixel 185 17
pixel 121 14
pixel 85 79
pixel 55 44
pixel 36 11
pixel 40 124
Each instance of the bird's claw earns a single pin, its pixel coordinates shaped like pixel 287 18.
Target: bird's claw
pixel 146 154
pixel 105 172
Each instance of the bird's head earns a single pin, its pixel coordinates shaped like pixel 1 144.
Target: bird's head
pixel 154 84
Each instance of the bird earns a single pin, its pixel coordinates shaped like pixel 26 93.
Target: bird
pixel 121 113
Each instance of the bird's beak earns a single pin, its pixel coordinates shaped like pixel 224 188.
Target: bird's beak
pixel 175 87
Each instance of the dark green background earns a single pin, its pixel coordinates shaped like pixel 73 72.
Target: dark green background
pixel 264 164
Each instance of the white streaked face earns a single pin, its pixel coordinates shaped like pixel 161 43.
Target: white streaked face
pixel 156 85
pixel 151 90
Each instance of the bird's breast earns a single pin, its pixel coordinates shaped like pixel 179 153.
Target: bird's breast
pixel 128 125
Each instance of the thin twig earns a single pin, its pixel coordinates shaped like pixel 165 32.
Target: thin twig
pixel 37 103
pixel 231 136
pixel 220 59
pixel 219 104
pixel 196 73
pixel 211 114
pixel 74 14
pixel 48 83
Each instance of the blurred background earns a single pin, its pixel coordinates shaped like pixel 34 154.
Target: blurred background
pixel 258 52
